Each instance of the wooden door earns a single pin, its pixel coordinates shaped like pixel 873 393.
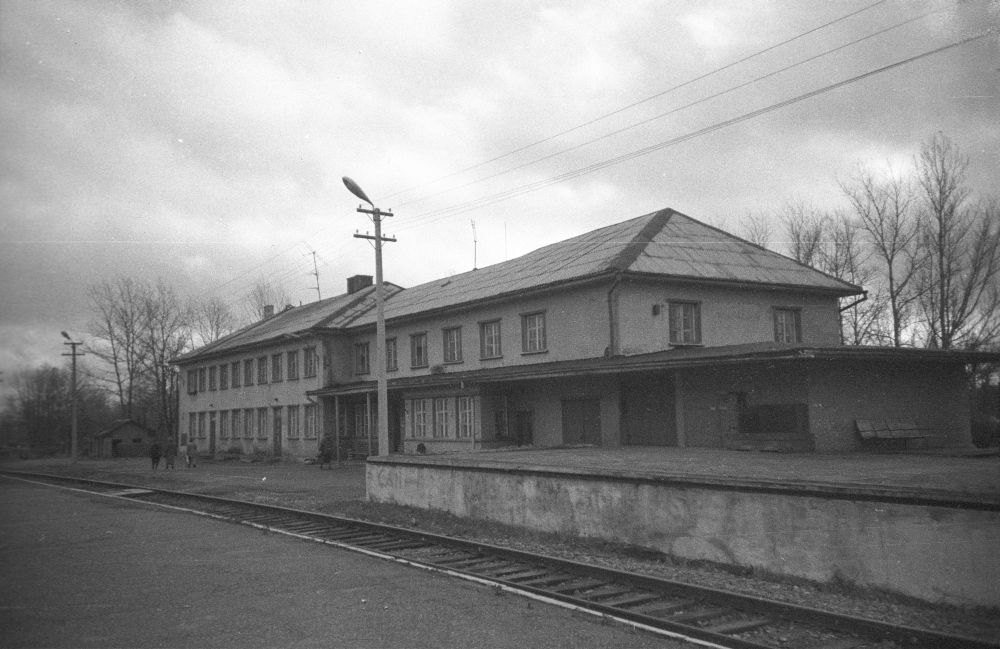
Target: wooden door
pixel 581 419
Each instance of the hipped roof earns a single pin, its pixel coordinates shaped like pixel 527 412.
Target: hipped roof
pixel 665 245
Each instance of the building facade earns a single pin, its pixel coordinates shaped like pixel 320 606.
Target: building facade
pixel 659 330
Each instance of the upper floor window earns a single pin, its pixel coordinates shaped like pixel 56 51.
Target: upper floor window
pixel 213 377
pixel 309 361
pixel 533 332
pixel 292 363
pixel 276 367
pixel 361 360
pixel 235 368
pixel 787 325
pixel 248 372
pixel 262 370
pixel 453 345
pixel 224 376
pixel 684 322
pixel 418 350
pixel 489 340
pixel 192 382
pixel 201 379
pixel 391 355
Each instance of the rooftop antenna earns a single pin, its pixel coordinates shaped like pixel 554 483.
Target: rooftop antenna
pixel 474 242
pixel 315 273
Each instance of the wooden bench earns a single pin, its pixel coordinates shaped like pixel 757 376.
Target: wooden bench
pixel 888 432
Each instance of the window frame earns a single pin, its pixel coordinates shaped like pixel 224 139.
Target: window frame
pixel 192 381
pixel 276 367
pixel 682 341
pixel 224 376
pixel 234 370
pixel 542 345
pixel 451 340
pixel 309 362
pixel 248 372
pixel 292 365
pixel 391 355
pixel 489 342
pixel 262 423
pixel 262 370
pixel 362 358
pixel 213 378
pixel 414 337
pixel 223 424
pixel 201 379
pixel 293 421
pixel 777 314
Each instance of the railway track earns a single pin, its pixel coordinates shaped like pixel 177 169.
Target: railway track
pixel 705 616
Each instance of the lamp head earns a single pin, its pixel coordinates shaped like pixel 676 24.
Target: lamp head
pixel 355 189
pixel 65 335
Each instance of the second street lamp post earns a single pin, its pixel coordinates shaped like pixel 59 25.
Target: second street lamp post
pixel 72 433
pixel 382 418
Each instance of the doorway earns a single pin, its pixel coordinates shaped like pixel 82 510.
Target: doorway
pixel 581 421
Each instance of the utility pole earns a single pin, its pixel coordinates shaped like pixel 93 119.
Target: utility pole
pixel 380 370
pixel 73 353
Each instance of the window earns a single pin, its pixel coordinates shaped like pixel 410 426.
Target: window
pixel 201 379
pixel 192 425
pixel 418 350
pixel 489 340
pixel 276 368
pixel 293 422
pixel 261 423
pixel 201 425
pixel 192 385
pixel 467 417
pixel 444 417
pixel 234 424
pixel 533 333
pixel 361 427
pixel 248 372
pixel 391 357
pixel 224 376
pixel 684 322
pixel 262 370
pixel 276 421
pixel 453 345
pixel 310 421
pixel 292 363
pixel 236 373
pixel 213 377
pixel 420 413
pixel 248 423
pixel 787 326
pixel 309 362
pixel 224 424
pixel 361 365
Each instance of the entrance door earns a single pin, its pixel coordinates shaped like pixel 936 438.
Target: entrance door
pixel 277 431
pixel 581 419
pixel 524 427
pixel 211 433
pixel 648 415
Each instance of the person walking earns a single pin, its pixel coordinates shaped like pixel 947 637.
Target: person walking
pixel 169 454
pixel 154 454
pixel 192 452
pixel 326 451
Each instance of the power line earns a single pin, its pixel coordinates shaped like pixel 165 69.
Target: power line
pixel 530 187
pixel 677 109
pixel 637 103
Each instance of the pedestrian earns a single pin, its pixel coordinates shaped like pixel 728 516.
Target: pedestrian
pixel 192 452
pixel 169 454
pixel 154 453
pixel 326 451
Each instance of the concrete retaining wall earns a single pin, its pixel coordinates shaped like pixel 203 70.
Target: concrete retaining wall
pixel 937 552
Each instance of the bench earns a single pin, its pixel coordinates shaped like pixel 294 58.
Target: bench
pixel 886 432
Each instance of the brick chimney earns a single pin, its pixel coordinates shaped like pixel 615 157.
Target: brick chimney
pixel 268 311
pixel 358 282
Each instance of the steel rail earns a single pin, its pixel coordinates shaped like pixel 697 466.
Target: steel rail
pixel 708 616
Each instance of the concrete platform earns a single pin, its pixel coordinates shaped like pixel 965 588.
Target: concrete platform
pixel 925 526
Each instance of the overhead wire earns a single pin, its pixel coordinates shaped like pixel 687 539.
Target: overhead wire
pixel 638 102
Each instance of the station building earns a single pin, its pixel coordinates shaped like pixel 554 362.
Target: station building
pixel 656 331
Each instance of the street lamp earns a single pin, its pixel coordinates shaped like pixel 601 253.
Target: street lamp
pixel 376 214
pixel 72 434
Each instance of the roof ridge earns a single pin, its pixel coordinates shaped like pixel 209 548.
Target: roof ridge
pixel 628 254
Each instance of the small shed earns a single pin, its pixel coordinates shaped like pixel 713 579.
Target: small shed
pixel 124 438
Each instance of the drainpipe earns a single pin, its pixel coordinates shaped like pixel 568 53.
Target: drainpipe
pixel 864 296
pixel 613 317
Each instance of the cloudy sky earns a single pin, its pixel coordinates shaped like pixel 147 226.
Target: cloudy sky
pixel 204 141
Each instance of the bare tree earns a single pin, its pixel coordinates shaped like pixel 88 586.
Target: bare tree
pixel 961 247
pixel 844 255
pixel 211 319
pixel 756 228
pixel 804 228
pixel 883 208
pixel 166 334
pixel 264 293
pixel 119 332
